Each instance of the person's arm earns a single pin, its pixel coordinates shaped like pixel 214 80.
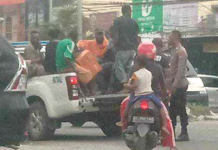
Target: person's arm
pixel 134 85
pixel 26 53
pixel 115 33
pixel 68 58
pixel 162 84
pixel 27 57
pixel 71 64
pixel 137 28
pixel 82 45
pixel 182 61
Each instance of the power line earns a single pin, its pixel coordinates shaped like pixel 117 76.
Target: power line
pixel 153 2
pixel 206 7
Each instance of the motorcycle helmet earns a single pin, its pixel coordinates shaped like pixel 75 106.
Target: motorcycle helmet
pixel 148 49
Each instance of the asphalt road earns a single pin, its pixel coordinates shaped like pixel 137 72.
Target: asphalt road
pixel 204 136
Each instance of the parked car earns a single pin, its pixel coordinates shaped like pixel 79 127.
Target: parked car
pixel 14 109
pixel 211 85
pixel 196 93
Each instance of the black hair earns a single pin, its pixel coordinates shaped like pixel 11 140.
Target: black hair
pixel 158 42
pixel 54 33
pixel 98 30
pixel 126 9
pixel 141 60
pixel 34 32
pixel 177 34
pixel 73 35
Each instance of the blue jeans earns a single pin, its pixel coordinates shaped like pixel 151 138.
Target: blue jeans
pixel 151 97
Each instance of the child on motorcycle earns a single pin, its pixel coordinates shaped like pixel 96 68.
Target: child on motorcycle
pixel 159 88
pixel 140 87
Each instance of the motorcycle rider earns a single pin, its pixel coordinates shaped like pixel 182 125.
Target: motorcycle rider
pixel 141 88
pixel 158 86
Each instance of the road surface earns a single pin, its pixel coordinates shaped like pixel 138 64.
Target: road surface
pixel 204 136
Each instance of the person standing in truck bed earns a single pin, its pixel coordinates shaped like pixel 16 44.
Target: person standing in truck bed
pixel 125 42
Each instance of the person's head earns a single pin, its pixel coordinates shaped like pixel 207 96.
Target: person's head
pixel 148 49
pixel 175 38
pixel 99 36
pixel 34 37
pixel 158 43
pixel 73 35
pixel 126 10
pixel 53 33
pixel 141 61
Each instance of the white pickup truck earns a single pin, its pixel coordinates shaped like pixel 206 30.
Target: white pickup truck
pixel 57 98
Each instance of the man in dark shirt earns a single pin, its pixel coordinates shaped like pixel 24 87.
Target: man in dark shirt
pixel 125 42
pixel 162 58
pixel 49 62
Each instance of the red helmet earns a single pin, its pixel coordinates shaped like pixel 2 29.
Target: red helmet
pixel 148 49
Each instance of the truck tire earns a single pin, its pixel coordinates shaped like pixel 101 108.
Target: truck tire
pixel 38 123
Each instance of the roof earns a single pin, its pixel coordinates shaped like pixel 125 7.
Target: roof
pixel 199 36
pixel 207 76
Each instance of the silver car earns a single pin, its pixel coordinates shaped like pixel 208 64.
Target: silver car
pixel 211 86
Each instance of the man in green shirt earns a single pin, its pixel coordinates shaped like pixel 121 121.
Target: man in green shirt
pixel 65 61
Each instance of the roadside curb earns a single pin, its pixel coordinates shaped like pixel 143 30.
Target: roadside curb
pixel 211 117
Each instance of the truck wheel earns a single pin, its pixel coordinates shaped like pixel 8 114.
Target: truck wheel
pixel 38 123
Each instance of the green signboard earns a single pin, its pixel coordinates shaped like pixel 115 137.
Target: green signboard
pixel 149 15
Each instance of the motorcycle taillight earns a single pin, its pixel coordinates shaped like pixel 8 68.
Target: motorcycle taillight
pixel 144 105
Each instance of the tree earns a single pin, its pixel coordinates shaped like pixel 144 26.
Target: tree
pixel 67 20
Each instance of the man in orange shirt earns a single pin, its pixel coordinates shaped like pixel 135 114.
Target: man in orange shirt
pixel 97 47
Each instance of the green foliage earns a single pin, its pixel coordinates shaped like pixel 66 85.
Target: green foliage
pixel 66 21
pixel 67 18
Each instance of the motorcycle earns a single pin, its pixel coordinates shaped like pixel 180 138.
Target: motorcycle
pixel 144 126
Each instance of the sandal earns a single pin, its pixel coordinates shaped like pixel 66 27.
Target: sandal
pixel 119 124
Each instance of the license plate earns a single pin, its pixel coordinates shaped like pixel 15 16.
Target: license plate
pixel 139 119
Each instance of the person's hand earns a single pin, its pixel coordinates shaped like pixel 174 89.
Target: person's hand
pixel 28 62
pixel 126 85
pixel 173 90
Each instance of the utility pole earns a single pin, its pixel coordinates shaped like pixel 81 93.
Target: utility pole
pixel 50 10
pixel 26 19
pixel 37 13
pixel 79 20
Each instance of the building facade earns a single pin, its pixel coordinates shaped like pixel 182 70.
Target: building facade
pixel 13 26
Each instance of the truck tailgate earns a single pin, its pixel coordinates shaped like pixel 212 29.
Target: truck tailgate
pixel 109 102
